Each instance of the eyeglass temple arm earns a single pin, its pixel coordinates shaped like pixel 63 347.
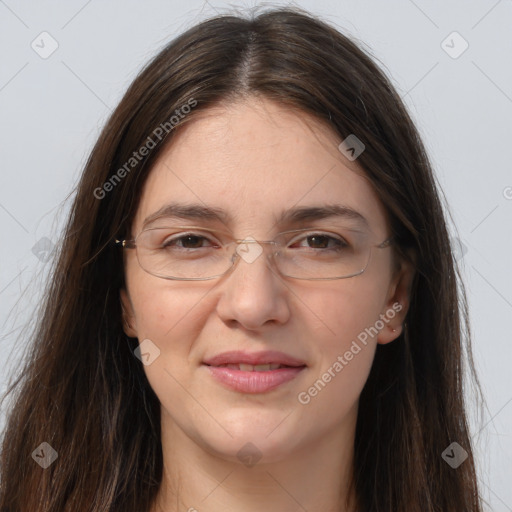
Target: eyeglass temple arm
pixel 386 242
pixel 125 244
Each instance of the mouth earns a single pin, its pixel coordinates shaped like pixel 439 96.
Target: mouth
pixel 254 361
pixel 254 368
pixel 253 372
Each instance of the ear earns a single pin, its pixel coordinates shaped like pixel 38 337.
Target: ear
pixel 129 323
pixel 398 301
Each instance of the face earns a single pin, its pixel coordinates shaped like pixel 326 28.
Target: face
pixel 254 160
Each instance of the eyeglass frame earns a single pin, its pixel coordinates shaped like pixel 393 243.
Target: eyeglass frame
pixel 132 244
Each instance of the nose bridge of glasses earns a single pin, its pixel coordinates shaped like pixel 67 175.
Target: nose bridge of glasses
pixel 252 240
pixel 250 249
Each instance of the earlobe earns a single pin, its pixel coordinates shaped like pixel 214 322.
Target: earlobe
pixel 129 325
pixel 393 329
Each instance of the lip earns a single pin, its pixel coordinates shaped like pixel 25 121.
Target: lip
pixel 254 381
pixel 254 358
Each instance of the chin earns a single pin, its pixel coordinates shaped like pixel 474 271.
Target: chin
pixel 252 450
pixel 260 437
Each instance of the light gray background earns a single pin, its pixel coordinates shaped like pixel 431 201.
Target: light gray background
pixel 52 110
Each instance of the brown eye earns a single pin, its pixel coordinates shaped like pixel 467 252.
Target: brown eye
pixel 187 241
pixel 323 241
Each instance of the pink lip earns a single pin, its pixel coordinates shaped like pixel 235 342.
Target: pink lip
pixel 254 381
pixel 255 358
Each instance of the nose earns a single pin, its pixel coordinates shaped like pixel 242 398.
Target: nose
pixel 253 293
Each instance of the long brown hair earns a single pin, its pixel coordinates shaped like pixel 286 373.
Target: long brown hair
pixel 84 392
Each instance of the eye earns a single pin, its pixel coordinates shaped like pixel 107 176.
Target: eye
pixel 322 241
pixel 187 241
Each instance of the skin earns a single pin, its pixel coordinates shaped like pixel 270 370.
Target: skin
pixel 254 158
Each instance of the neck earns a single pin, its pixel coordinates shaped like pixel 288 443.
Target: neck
pixel 314 477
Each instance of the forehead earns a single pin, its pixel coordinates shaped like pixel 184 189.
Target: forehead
pixel 254 160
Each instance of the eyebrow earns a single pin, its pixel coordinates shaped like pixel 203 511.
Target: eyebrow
pixel 292 216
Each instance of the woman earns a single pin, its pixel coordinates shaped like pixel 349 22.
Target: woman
pixel 255 305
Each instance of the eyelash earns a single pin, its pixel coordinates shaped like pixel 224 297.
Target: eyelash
pixel 340 242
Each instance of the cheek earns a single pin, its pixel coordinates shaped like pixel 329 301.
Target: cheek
pixel 153 312
pixel 167 324
pixel 345 310
pixel 344 355
pixel 345 338
pixel 159 304
pixel 167 315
